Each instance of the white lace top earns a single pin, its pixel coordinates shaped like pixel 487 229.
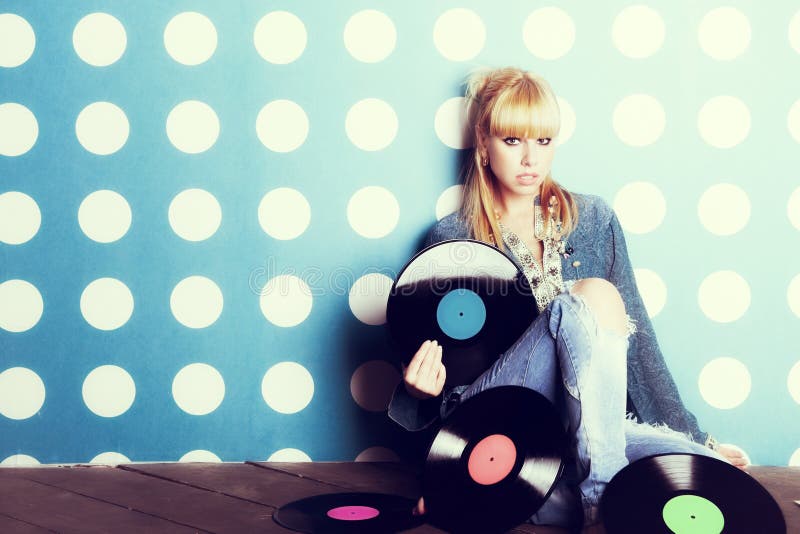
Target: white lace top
pixel 545 280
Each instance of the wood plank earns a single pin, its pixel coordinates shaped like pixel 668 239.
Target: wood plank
pixel 64 511
pixel 382 477
pixel 243 481
pixel 355 476
pixel 246 481
pixel 180 503
pixel 9 524
pixel 783 483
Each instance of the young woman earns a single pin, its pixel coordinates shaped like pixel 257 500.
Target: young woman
pixel 592 350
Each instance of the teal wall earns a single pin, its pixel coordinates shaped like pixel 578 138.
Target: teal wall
pixel 200 214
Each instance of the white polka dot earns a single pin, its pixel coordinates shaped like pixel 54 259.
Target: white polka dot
pixel 284 213
pixel 370 36
pixel 110 458
pixel 18 129
pixel 452 123
pixel 371 124
pixel 286 300
pixel 21 393
pixel 102 128
pixel 377 454
pixel 20 218
pixel 794 32
pixel 794 461
pixel 793 382
pixel 280 37
pixel 106 303
pixel 368 298
pixel 638 31
pixel 793 121
pixel 373 212
pixel 200 455
pixel 282 126
pixel 198 389
pixel 194 214
pixel 449 201
pixel 104 216
pixel 17 40
pixel 289 455
pixel 640 207
pixel 639 120
pixel 459 34
pixel 287 387
pixel 724 296
pixel 192 127
pixel 196 302
pixel 190 38
pixel 653 290
pixel 21 305
pixel 724 209
pixel 724 383
pixel 373 383
pixel 568 122
pixel 99 39
pixel 792 295
pixel 19 460
pixel 109 391
pixel 549 33
pixel 724 33
pixel 793 208
pixel 723 121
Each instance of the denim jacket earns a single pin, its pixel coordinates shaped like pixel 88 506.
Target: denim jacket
pixel 598 250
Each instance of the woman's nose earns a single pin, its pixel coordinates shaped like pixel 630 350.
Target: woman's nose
pixel 528 152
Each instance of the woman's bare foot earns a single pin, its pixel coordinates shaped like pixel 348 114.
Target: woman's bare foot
pixel 420 508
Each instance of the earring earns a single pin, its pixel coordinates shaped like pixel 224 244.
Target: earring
pixel 485 161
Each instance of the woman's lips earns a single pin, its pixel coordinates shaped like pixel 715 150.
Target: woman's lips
pixel 527 179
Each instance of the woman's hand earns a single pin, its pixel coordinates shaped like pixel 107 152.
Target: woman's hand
pixel 419 509
pixel 735 455
pixel 424 377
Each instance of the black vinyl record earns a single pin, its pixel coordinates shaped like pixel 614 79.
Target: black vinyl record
pixel 688 494
pixel 494 462
pixel 467 295
pixel 342 513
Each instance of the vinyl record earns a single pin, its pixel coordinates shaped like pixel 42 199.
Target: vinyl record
pixel 337 513
pixel 467 295
pixel 688 493
pixel 494 462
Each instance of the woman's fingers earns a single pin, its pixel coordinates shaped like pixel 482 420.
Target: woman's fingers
pixel 441 376
pixel 414 365
pixel 422 374
pixel 427 366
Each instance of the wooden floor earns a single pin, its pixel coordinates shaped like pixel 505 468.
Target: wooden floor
pixel 229 497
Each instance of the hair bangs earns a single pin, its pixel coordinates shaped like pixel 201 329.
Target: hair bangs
pixel 526 111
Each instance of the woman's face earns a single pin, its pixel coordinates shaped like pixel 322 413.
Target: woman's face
pixel 520 165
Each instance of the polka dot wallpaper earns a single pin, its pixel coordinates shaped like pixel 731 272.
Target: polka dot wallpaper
pixel 203 205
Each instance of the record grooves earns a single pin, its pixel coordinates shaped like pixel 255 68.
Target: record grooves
pixel 467 295
pixel 494 462
pixel 688 493
pixel 343 513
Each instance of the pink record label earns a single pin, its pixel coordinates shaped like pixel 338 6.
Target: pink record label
pixel 492 459
pixel 353 513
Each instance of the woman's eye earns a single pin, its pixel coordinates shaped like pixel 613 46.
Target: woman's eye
pixel 546 141
pixel 511 140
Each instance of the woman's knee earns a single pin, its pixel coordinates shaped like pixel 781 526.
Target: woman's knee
pixel 605 302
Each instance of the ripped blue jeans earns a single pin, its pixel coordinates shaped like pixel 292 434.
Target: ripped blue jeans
pixel 582 369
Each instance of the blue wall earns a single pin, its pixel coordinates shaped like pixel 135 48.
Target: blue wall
pixel 150 245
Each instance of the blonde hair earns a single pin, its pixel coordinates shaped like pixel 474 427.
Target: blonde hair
pixel 511 102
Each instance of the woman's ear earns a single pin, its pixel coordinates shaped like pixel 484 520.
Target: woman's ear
pixel 480 141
